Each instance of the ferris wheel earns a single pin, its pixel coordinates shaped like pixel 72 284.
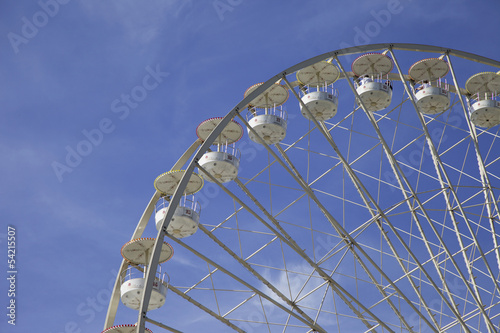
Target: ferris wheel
pixel 357 191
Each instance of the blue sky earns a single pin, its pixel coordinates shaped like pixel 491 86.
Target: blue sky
pixel 186 61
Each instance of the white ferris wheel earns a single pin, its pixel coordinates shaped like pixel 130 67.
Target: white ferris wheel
pixel 357 191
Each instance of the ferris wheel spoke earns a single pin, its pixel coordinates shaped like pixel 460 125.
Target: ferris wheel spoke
pixel 258 276
pixel 334 287
pixel 400 175
pixel 333 145
pixel 338 153
pixel 165 327
pixel 379 215
pixel 405 187
pixel 472 314
pixel 445 182
pixel 246 284
pixel 289 240
pixel 204 308
pixel 350 241
pixel 488 193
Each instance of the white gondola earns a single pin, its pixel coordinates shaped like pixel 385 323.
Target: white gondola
pixel 319 95
pixel 265 114
pixel 373 85
pixel 269 123
pixel 484 105
pixel 484 110
pixel 223 162
pixel 431 92
pixel 223 165
pixel 374 92
pixel 138 253
pixel 432 97
pixel 132 285
pixel 322 103
pixel 185 220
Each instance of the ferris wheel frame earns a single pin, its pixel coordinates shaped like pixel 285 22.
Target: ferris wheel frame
pixel 193 154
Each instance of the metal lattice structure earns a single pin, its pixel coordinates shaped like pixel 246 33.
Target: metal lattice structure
pixel 369 221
